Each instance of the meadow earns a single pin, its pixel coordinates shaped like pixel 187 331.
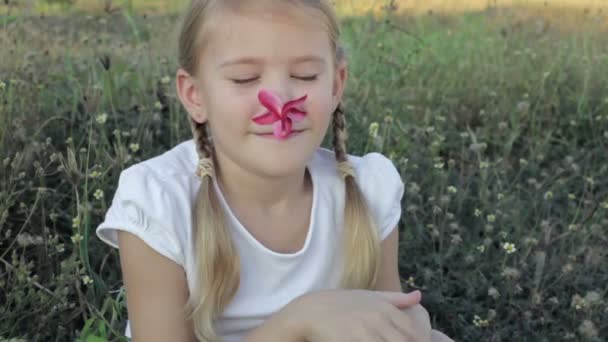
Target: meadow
pixel 496 115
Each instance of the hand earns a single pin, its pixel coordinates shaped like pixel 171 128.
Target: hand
pixel 361 315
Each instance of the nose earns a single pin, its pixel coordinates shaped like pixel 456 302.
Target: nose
pixel 279 85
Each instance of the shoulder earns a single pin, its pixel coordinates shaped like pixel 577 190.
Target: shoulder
pixel 153 200
pixel 371 169
pixel 378 179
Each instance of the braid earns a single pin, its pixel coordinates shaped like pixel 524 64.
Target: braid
pixel 361 245
pixel 218 265
pixel 201 139
pixel 339 142
pixel 339 134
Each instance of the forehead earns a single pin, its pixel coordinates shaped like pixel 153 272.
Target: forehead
pixel 277 34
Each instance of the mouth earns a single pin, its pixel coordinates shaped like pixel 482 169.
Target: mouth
pixel 294 133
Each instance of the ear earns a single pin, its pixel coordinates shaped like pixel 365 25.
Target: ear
pixel 340 78
pixel 188 91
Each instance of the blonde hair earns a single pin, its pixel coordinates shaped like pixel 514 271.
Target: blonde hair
pixel 218 266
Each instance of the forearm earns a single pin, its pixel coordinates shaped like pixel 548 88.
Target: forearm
pixel 284 326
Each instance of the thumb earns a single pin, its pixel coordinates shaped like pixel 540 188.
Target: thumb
pixel 399 299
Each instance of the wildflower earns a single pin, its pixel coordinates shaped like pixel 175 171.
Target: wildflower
pixel 98 194
pixel 76 238
pixel 452 189
pixel 464 135
pixel 76 222
pixel 578 302
pixel 484 165
pixel 588 329
pixel 481 248
pixel 165 80
pixel 491 218
pixel 94 174
pixel 2 86
pixel 373 130
pixel 510 273
pixel 439 165
pixel 102 118
pixel 493 292
pixel 523 162
pixel 60 248
pixel 477 212
pixel 509 247
pixel 571 196
pixel 280 116
pixel 87 280
pixel 134 147
pixel 500 196
pixel 548 195
pixel 158 105
pixel 410 281
pixel 605 205
pixel 573 227
pixel 456 239
pixel 478 322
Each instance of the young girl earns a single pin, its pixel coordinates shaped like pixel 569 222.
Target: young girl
pixel 252 231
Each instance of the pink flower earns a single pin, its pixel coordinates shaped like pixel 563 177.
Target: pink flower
pixel 280 116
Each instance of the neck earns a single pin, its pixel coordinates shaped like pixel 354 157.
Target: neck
pixel 269 196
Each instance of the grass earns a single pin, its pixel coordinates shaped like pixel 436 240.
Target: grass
pixel 497 120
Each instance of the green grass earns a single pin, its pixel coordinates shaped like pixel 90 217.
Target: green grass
pixel 498 125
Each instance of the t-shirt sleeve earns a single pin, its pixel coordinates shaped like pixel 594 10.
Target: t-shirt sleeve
pixel 383 189
pixel 143 205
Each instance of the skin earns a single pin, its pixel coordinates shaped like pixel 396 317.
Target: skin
pixel 263 180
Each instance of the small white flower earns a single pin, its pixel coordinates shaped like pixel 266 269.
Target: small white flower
pixel 481 248
pixel 373 130
pixel 87 280
pixel 134 147
pixel 98 194
pixel 102 118
pixel 491 218
pixel 452 189
pixel 165 80
pixel 76 238
pixel 158 105
pixel 2 86
pixel 75 222
pixel 509 247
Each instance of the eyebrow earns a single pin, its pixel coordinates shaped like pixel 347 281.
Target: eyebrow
pixel 257 61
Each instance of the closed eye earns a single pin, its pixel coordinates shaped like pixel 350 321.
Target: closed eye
pixel 245 80
pixel 306 78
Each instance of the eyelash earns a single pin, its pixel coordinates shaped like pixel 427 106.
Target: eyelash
pixel 249 80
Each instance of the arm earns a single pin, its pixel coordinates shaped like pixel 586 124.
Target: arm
pixel 157 292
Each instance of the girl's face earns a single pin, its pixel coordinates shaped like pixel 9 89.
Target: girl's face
pixel 287 53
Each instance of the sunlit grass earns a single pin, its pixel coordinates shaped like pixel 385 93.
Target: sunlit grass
pixel 497 121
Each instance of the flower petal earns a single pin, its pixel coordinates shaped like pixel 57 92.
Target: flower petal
pixel 293 104
pixel 296 115
pixel 282 130
pixel 269 100
pixel 267 118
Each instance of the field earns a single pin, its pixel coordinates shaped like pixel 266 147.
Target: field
pixel 495 113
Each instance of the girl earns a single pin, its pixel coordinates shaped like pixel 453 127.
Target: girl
pixel 251 231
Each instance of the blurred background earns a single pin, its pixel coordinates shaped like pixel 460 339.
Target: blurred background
pixel 494 112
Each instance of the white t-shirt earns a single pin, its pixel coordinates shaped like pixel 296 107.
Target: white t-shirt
pixel 154 201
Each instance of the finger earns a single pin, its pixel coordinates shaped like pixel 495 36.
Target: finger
pixel 438 336
pixel 393 334
pixel 414 323
pixel 401 300
pixel 404 324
